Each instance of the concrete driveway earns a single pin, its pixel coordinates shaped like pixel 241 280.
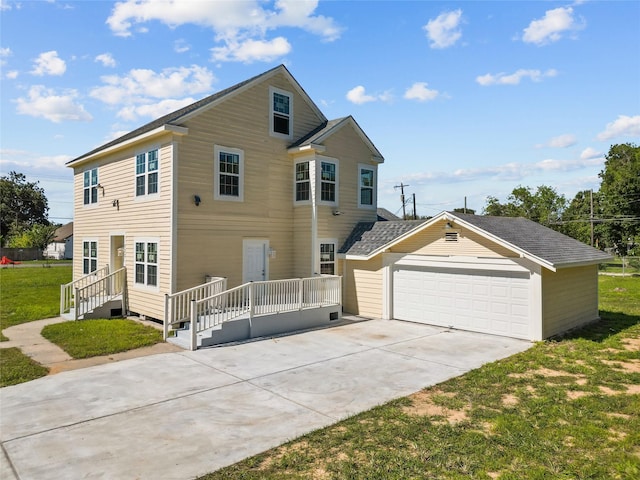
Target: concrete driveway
pixel 181 415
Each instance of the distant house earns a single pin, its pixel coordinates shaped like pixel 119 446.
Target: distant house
pixel 62 245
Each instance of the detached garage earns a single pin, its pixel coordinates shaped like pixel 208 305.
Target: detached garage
pixel 498 275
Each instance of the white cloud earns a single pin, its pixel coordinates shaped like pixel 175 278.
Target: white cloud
pixel 48 63
pixel 153 110
pixel 45 103
pixel 552 26
pixel 252 50
pixel 443 31
pixel 359 96
pixel 514 78
pixel 106 59
pixel 181 46
pixel 623 126
pixel 419 91
pixel 140 85
pixel 240 27
pixel 561 141
pixel 589 153
pixel 4 53
pixel 12 74
pixel 22 159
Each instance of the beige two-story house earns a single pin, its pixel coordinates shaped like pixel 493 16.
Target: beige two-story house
pixel 251 183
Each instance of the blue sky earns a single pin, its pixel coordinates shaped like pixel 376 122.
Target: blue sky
pixel 464 99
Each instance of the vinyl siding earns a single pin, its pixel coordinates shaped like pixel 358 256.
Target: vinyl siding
pixel 134 218
pixel 210 236
pixel 569 298
pixel 431 241
pixel 363 287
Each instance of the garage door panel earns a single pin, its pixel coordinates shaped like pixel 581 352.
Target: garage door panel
pixel 483 301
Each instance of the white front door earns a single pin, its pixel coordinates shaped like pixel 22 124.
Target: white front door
pixel 255 266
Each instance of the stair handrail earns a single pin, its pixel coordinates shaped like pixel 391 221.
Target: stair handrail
pixel 177 305
pixel 67 291
pixel 97 293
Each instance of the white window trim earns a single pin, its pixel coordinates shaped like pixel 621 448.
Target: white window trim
pixel 91 204
pixel 334 242
pixel 145 286
pixel 85 240
pixel 216 174
pixel 374 196
pixel 319 163
pixel 273 133
pixel 145 195
pixel 295 181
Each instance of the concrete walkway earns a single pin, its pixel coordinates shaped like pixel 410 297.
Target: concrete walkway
pixel 27 337
pixel 181 415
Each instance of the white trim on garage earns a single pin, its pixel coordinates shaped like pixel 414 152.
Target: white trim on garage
pixel 518 272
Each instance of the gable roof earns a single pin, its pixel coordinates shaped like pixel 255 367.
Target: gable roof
pixel 64 232
pixel 177 117
pixel 328 128
pixel 529 239
pixel 386 215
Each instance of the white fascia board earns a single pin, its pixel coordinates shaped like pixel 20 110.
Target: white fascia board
pixel 127 143
pixel 312 147
pixel 581 264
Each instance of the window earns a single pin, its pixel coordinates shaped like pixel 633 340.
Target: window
pixel 89 256
pixel 90 193
pixel 146 263
pixel 327 258
pixel 147 173
pixel 281 112
pixel 303 183
pixel 366 193
pixel 328 181
pixel 228 170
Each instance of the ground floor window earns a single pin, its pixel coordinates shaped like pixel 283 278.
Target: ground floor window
pixel 89 256
pixel 146 265
pixel 328 258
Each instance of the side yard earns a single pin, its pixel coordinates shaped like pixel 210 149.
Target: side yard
pixel 566 408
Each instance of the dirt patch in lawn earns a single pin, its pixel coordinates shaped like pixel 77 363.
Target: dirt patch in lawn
pixel 424 405
pixel 632 344
pixel 629 366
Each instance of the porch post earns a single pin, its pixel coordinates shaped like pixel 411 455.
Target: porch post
pixel 165 329
pixel 194 328
pixel 251 307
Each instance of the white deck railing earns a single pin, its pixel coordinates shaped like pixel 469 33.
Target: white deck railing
pixel 68 291
pixel 91 296
pixel 263 298
pixel 177 305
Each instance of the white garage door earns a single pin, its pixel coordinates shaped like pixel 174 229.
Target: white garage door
pixel 480 301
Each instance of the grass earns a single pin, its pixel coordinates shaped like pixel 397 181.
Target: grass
pixel 28 294
pixel 18 368
pixel 568 408
pixel 91 338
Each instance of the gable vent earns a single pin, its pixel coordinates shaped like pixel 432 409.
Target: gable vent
pixel 450 236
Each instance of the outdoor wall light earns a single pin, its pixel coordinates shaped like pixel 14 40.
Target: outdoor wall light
pixel 448 226
pixel 196 200
pixel 336 213
pixel 116 203
pixel 101 188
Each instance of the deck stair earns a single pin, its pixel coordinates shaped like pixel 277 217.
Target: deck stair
pixel 100 294
pixel 254 309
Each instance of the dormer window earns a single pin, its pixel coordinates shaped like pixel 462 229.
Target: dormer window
pixel 281 113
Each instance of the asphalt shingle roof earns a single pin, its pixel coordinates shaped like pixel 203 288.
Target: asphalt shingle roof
pixel 528 236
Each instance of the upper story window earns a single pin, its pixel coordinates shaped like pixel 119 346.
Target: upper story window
pixel 328 181
pixel 89 256
pixel 367 185
pixel 147 173
pixel 303 182
pixel 281 118
pixel 90 189
pixel 228 171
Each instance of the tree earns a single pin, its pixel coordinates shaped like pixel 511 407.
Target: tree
pixel 620 197
pixel 470 211
pixel 544 206
pixel 576 219
pixel 22 204
pixel 38 236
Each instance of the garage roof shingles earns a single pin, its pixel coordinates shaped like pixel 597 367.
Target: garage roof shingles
pixel 530 237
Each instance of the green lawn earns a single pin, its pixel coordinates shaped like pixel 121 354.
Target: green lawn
pixel 18 368
pixel 28 294
pixel 565 409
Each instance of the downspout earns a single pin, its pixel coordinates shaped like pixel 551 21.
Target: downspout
pixel 314 218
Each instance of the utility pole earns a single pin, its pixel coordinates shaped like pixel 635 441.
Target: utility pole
pixel 415 216
pixel 465 204
pixel 404 203
pixel 591 215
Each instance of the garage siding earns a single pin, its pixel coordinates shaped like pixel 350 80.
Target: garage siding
pixel 363 287
pixel 569 298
